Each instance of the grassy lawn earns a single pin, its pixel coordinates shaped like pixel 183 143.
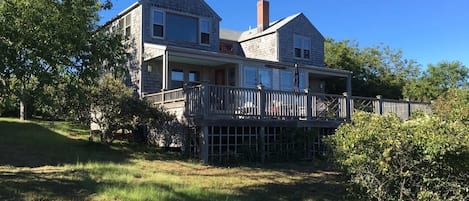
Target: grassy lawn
pixel 54 161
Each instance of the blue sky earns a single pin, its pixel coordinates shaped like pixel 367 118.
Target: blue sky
pixel 427 31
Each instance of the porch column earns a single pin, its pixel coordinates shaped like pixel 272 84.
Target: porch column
pixel 348 98
pixel 165 81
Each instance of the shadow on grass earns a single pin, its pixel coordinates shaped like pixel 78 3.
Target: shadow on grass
pixel 326 187
pixel 77 185
pixel 32 145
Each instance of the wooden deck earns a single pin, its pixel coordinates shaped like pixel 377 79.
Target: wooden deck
pixel 214 103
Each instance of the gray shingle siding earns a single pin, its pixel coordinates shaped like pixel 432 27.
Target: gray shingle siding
pixel 194 8
pixel 264 47
pixel 303 27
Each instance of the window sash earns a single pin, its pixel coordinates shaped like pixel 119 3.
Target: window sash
pixel 158 23
pixel 302 47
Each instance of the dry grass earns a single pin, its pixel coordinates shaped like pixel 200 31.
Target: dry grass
pixel 66 167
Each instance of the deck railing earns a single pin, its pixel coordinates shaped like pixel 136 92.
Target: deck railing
pixel 211 101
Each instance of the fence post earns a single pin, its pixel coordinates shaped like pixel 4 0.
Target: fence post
pixel 409 111
pixel 261 100
pixel 380 104
pixel 205 99
pixel 348 106
pixel 309 105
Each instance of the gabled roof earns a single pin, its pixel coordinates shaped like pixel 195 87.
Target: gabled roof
pixel 253 33
pixel 273 27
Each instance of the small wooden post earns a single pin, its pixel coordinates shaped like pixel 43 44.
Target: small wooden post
pixel 380 104
pixel 204 144
pixel 409 109
pixel 261 100
pixel 205 99
pixel 309 105
pixel 348 106
pixel 262 143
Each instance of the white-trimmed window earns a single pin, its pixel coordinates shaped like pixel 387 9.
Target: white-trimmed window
pixel 128 23
pixel 158 23
pixel 302 47
pixel 204 31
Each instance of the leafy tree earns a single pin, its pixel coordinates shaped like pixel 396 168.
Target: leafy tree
pixel 42 40
pixel 376 70
pixel 385 158
pixel 453 105
pixel 436 80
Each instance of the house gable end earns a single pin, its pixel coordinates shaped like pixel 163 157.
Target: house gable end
pixel 301 26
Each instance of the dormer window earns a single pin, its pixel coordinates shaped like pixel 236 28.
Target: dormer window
pixel 302 47
pixel 158 24
pixel 204 31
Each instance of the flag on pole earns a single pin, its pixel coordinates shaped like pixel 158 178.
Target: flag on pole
pixel 296 79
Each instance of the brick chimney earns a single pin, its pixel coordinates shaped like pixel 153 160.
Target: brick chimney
pixel 262 15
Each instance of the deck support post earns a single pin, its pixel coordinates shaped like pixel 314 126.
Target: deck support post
pixel 262 143
pixel 204 144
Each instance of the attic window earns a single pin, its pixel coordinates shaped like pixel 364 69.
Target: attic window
pixel 302 47
pixel 204 31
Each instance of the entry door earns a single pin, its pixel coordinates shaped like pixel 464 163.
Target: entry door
pixel 220 77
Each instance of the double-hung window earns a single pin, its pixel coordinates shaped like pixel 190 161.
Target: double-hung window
pixel 158 24
pixel 204 31
pixel 302 47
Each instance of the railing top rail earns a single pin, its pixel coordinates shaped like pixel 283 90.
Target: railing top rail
pixel 364 98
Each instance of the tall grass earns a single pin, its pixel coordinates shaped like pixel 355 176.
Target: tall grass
pixel 54 161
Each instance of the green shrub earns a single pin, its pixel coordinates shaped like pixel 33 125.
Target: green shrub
pixel 424 158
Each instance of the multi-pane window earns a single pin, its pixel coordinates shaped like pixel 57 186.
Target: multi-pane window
pixel 158 24
pixel 125 25
pixel 178 27
pixel 128 22
pixel 302 47
pixel 204 31
pixel 181 28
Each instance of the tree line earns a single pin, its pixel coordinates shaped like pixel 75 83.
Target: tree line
pixel 382 70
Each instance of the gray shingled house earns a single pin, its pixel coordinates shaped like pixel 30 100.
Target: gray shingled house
pixel 239 94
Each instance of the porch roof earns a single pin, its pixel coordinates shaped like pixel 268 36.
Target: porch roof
pixel 152 51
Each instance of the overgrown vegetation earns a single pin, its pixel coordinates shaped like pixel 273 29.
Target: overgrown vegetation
pixel 54 161
pixel 425 158
pixel 115 110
